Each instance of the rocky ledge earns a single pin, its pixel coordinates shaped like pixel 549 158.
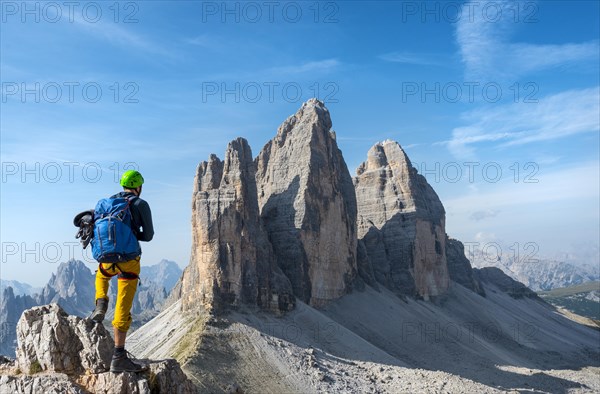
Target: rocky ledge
pixel 58 353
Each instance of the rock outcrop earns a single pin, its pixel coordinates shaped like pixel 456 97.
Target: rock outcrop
pixel 401 222
pixel 322 227
pixel 11 307
pixel 459 267
pixel 231 261
pixel 72 286
pixel 165 274
pixel 506 284
pixel 58 353
pixel 308 205
pixel 48 339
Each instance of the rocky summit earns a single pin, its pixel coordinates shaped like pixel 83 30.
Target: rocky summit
pixel 369 292
pixel 401 222
pixel 292 223
pixel 59 353
pixel 308 205
pixel 232 261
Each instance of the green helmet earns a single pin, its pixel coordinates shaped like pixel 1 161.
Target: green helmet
pixel 132 179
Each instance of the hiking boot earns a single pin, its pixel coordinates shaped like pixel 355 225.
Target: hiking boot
pixel 124 364
pixel 100 311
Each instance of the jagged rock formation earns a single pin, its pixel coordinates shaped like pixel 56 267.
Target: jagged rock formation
pixel 401 223
pixel 459 267
pixel 19 288
pixel 166 274
pixel 72 286
pixel 58 353
pixel 505 283
pixel 11 307
pixel 308 205
pixel 232 260
pixel 366 341
pixel 51 340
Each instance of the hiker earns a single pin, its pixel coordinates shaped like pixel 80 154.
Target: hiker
pixel 119 223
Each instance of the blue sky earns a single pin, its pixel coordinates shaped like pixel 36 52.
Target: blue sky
pixel 498 105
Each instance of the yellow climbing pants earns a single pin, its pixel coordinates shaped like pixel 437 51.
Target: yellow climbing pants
pixel 128 279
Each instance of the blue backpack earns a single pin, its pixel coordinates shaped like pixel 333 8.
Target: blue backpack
pixel 113 240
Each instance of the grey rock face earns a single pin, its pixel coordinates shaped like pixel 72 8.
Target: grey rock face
pixel 51 340
pixel 72 286
pixel 459 267
pixel 57 383
pixel 58 353
pixel 504 282
pixel 164 376
pixel 401 222
pixel 166 274
pixel 11 307
pixel 308 205
pixel 232 261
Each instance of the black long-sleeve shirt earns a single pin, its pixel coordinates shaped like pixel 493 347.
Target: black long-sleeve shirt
pixel 142 217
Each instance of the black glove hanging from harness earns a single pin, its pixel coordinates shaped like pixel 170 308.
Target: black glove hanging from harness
pixel 85 222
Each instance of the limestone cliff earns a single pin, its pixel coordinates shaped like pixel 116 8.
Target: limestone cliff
pixel 308 205
pixel 232 261
pixel 401 222
pixel 459 267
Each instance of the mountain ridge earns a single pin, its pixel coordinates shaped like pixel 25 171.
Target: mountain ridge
pixel 406 312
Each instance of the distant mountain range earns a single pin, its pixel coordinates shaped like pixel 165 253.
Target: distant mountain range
pixel 539 274
pixel 19 288
pixel 73 288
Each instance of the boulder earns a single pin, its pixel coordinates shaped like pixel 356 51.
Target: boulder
pixel 48 339
pixel 58 353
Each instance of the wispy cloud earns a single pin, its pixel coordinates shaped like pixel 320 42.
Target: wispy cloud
pixel 484 214
pixel 556 116
pixel 119 35
pixel 486 51
pixel 419 59
pixel 203 40
pixel 312 66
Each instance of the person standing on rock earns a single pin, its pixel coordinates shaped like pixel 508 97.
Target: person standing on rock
pixel 120 222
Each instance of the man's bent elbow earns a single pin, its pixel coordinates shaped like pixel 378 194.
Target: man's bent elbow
pixel 148 237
